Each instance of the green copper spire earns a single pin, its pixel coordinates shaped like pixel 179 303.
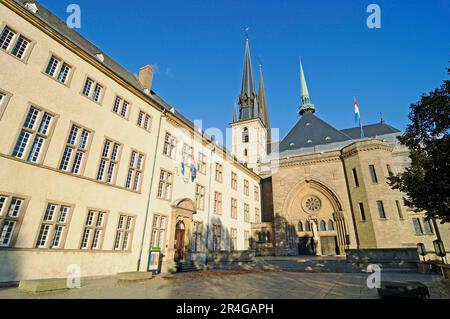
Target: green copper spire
pixel 306 103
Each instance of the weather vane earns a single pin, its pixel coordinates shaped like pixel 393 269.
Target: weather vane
pixel 246 32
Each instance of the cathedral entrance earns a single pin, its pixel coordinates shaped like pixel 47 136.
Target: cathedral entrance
pixel 306 246
pixel 329 245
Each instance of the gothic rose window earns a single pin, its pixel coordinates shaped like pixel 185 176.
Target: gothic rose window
pixel 312 204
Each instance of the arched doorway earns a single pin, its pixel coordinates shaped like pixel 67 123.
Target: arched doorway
pixel 179 241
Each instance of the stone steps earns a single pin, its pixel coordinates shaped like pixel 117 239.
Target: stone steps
pixel 187 267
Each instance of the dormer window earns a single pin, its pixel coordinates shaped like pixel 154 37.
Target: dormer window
pixel 309 141
pixel 327 138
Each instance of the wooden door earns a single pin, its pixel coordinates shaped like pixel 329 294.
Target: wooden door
pixel 328 245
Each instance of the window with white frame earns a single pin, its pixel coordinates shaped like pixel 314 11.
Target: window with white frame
pixel 217 203
pixel 202 163
pixel 170 143
pixel 54 226
pixel 2 98
pixel 121 107
pixel 92 90
pixel 109 162
pixel 200 197
pixel 124 233
pixel 94 230
pixel 233 239
pixel 144 121
pixel 247 213
pixel 257 215
pixel 187 154
pixel 246 188
pixel 256 192
pixel 233 180
pixel 246 239
pixel 219 173
pixel 158 231
pixel 165 185
pixel 197 237
pixel 11 214
pixel 75 152
pixel 14 43
pixel 217 237
pixel 33 137
pixel 135 171
pixel 234 208
pixel 58 69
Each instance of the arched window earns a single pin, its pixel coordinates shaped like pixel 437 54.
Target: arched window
pixel 268 236
pixel 245 135
pixel 307 226
pixel 259 236
pixel 323 226
pixel 245 152
pixel 300 227
pixel 330 225
pixel 264 239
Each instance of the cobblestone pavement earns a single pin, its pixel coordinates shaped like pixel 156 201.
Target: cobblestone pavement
pixel 238 285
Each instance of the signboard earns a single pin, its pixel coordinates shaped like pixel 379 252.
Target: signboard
pixel 155 260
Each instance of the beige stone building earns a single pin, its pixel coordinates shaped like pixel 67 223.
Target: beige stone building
pixel 96 168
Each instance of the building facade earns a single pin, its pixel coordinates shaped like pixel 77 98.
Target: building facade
pixel 96 168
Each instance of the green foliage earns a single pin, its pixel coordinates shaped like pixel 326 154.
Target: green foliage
pixel 426 182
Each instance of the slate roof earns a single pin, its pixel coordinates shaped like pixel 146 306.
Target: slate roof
pixel 311 131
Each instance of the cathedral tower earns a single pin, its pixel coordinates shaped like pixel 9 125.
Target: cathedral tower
pixel 250 126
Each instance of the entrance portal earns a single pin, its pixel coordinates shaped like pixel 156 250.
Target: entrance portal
pixel 306 246
pixel 329 246
pixel 179 241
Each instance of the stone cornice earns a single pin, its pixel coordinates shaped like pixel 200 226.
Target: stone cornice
pixel 365 146
pixel 309 159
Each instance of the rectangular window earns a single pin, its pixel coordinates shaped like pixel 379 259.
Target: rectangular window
pixel 197 237
pixel 427 226
pixel 217 237
pixel 6 38
pixel 233 239
pixel 54 226
pixel 20 47
pixel 233 180
pixel 417 226
pixel 355 177
pixel 381 211
pixel 217 203
pixel 94 229
pixel 58 69
pixel 246 239
pixel 135 171
pixel 170 143
pixel 200 196
pixel 144 121
pixel 109 163
pixel 93 90
pixel 257 215
pixel 246 188
pixel 165 185
pixel 187 154
pixel 202 163
pixel 121 107
pixel 234 209
pixel 75 152
pixel 361 211
pixel 11 214
pixel 373 174
pixel 33 136
pixel 159 226
pixel 246 213
pixel 389 169
pixel 399 209
pixel 219 173
pixel 124 233
pixel 257 193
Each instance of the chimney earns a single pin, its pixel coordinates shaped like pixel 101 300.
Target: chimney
pixel 146 77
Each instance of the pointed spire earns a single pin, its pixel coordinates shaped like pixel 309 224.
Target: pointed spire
pixel 235 115
pixel 248 93
pixel 306 103
pixel 264 111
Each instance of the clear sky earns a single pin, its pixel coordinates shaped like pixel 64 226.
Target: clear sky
pixel 197 47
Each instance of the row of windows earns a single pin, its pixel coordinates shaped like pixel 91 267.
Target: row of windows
pixel 373 174
pixel 323 226
pixel 55 224
pixel 381 210
pixel 217 238
pixel 34 137
pixel 422 226
pixel 62 71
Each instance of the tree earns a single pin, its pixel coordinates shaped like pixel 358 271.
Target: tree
pixel 426 183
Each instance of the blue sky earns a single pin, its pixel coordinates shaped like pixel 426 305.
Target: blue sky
pixel 198 48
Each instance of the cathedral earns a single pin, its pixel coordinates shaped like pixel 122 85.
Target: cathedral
pixel 325 190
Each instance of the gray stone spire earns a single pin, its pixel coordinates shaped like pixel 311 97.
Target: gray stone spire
pixel 248 94
pixel 264 111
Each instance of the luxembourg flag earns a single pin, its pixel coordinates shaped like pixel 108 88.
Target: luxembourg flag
pixel 358 117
